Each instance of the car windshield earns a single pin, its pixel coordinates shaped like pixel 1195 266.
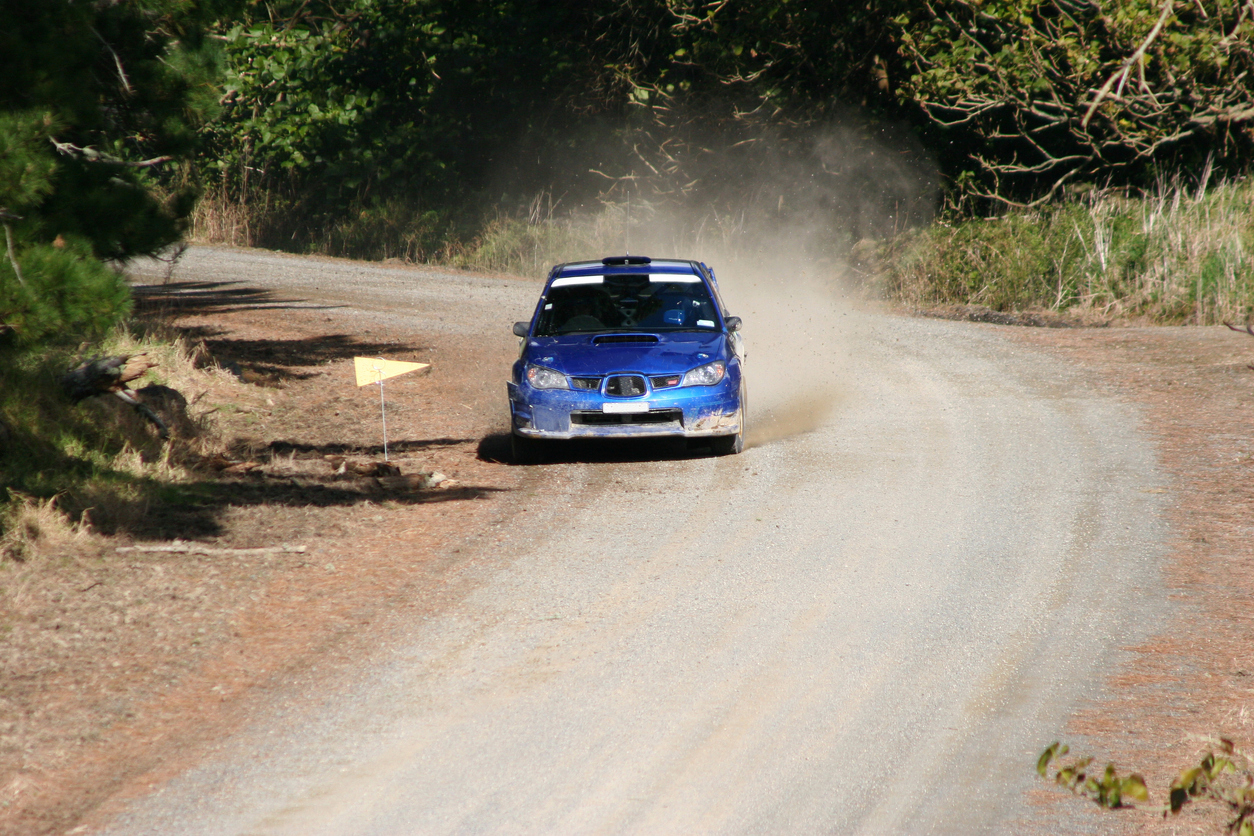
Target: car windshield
pixel 651 302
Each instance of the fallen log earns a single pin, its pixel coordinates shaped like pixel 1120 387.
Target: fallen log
pixel 111 375
pixel 180 547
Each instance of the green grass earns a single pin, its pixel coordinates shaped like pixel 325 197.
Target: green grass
pixel 1175 256
pixel 523 247
pixel 1178 254
pixel 94 463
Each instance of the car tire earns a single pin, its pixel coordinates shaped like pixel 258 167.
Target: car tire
pixel 525 450
pixel 730 445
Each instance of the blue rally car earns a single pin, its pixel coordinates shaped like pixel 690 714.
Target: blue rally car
pixel 629 347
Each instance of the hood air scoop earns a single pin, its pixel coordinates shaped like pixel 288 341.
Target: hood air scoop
pixel 624 338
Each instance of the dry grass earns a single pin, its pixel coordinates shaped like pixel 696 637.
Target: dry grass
pixel 33 527
pixel 98 464
pixel 526 243
pixel 530 246
pixel 1177 255
pixel 393 228
pixel 218 221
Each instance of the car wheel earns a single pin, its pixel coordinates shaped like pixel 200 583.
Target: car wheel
pixel 525 450
pixel 729 445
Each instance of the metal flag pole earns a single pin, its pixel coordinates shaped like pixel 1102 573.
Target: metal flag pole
pixel 383 412
pixel 371 370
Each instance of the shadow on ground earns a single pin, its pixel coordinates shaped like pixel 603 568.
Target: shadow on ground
pixel 197 509
pixel 268 362
pixel 265 362
pixel 313 451
pixel 205 298
pixel 496 448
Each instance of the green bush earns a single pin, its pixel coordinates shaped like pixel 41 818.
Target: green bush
pixel 1175 255
pixel 64 292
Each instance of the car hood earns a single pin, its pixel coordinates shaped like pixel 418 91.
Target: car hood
pixel 578 355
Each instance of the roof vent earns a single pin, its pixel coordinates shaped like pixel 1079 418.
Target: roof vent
pixel 610 261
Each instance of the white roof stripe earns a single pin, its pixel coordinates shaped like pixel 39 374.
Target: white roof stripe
pixel 570 280
pixel 677 278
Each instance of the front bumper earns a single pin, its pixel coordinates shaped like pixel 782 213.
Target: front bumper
pixel 688 412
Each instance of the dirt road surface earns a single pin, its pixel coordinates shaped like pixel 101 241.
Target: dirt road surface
pixel 870 627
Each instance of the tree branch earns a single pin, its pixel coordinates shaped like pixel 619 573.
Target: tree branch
pixel 117 62
pixel 92 155
pixel 6 216
pixel 1122 74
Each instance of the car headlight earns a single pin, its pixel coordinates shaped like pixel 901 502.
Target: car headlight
pixel 706 375
pixel 541 378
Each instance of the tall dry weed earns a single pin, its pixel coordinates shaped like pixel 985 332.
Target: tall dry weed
pixel 98 462
pixel 218 220
pixel 529 246
pixel 1178 254
pixel 30 527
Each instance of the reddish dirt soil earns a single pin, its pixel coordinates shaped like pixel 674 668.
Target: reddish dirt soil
pixel 117 667
pixel 1196 679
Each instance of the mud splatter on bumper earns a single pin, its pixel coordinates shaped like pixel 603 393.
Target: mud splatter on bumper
pixel 691 412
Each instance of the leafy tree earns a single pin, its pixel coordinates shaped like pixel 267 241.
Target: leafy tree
pixel 338 108
pixel 778 111
pixel 99 103
pixel 339 113
pixel 1035 95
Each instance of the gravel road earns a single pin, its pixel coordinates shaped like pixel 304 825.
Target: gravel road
pixel 871 627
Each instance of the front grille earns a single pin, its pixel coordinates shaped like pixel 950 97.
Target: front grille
pixel 666 381
pixel 587 383
pixel 625 386
pixel 658 416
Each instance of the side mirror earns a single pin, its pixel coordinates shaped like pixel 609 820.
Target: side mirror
pixel 732 323
pixel 521 329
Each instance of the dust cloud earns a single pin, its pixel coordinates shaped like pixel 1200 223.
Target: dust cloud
pixel 798 332
pixel 799 323
pixel 781 248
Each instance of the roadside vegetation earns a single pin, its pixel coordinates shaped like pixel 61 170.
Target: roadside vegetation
pixel 96 466
pixel 99 117
pixel 1178 254
pixel 1223 777
pixel 1090 158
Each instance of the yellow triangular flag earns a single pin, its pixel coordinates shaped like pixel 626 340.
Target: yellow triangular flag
pixel 373 369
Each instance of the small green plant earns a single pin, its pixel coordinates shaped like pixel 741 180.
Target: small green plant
pixel 1224 775
pixel 1107 790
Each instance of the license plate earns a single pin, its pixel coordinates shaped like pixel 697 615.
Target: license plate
pixel 628 408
